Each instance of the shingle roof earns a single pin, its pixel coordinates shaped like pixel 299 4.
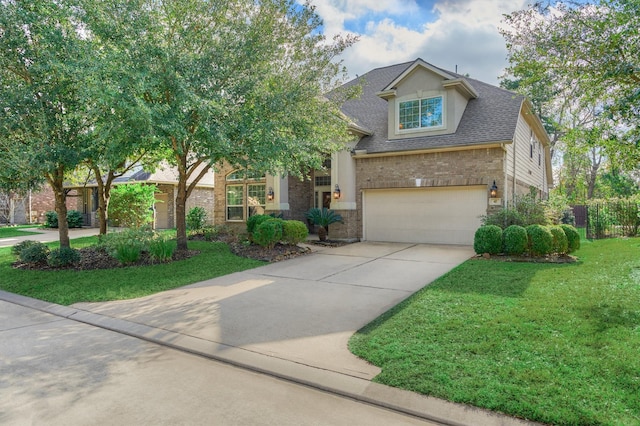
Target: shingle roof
pixel 491 117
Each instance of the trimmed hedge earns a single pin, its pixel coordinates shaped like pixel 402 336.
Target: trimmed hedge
pixel 488 239
pixel 540 240
pixel 573 237
pixel 294 232
pixel 515 240
pixel 268 233
pixel 560 242
pixel 255 220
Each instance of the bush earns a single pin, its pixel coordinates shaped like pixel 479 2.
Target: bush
pixel 131 205
pixel 34 253
pixel 255 220
pixel 540 240
pixel 573 238
pixel 51 219
pixel 515 240
pixel 488 239
pixel 140 237
pixel 294 232
pixel 62 257
pixel 196 218
pixel 74 219
pixel 17 249
pixel 504 218
pixel 161 249
pixel 268 233
pixel 560 241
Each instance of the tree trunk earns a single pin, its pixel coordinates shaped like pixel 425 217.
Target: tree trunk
pixel 596 159
pixel 56 180
pixel 181 217
pixel 104 195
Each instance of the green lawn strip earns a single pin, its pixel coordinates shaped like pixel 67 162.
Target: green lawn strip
pixel 552 343
pixel 15 231
pixel 67 287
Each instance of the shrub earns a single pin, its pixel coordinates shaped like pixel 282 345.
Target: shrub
pixel 573 238
pixel 504 218
pixel 540 240
pixel 196 218
pixel 560 241
pixel 74 219
pixel 63 256
pixel 294 232
pixel 488 239
pixel 515 240
pixel 34 253
pixel 268 233
pixel 17 249
pixel 161 249
pixel 51 219
pixel 131 205
pixel 255 220
pixel 140 237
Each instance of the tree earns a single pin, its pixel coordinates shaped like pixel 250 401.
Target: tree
pixel 577 64
pixel 44 74
pixel 242 82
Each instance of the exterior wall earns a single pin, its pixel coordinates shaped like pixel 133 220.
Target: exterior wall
pixel 171 203
pixel 524 170
pixel 454 168
pixel 300 199
pixel 202 197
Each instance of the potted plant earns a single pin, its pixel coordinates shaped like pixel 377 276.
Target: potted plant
pixel 323 218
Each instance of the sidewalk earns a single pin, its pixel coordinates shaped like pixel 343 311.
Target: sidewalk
pixel 46 235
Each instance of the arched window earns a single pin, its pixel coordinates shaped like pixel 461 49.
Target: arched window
pixel 245 195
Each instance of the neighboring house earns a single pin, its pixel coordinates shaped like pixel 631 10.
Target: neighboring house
pixel 30 208
pixel 165 178
pixel 428 146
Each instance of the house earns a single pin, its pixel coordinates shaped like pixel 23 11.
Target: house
pixel 429 145
pixel 164 177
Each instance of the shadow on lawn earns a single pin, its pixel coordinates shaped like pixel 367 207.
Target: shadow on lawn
pixel 487 277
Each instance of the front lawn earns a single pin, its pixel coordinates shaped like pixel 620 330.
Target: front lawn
pixel 15 231
pixel 551 343
pixel 66 287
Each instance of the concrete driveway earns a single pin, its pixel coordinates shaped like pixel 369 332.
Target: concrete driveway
pixel 301 311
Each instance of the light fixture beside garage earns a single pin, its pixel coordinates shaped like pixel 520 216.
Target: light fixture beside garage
pixel 336 192
pixel 270 194
pixel 493 192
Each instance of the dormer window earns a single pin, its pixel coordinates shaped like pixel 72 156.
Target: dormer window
pixel 420 114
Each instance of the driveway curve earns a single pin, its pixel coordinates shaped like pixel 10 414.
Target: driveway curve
pixel 302 310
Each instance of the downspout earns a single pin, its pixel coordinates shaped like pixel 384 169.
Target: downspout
pixel 513 179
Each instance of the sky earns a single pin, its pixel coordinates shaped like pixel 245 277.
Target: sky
pixel 445 33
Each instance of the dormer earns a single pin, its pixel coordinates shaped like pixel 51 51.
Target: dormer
pixel 425 101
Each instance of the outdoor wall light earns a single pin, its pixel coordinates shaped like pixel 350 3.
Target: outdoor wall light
pixel 270 194
pixel 493 192
pixel 336 192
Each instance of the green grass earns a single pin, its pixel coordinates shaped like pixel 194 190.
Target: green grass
pixel 552 343
pixel 67 287
pixel 15 231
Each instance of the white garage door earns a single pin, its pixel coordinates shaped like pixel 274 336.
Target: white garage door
pixel 446 215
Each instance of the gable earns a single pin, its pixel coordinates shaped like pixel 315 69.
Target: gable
pixel 477 113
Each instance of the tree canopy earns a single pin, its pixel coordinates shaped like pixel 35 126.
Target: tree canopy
pixel 579 65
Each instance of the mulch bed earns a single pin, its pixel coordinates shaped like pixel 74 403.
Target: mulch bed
pixel 92 258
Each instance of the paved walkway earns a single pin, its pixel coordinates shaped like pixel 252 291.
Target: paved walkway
pixel 46 235
pixel 293 319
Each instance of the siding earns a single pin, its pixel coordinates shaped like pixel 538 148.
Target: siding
pixel 529 171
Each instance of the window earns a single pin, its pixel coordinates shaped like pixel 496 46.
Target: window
pixel 245 195
pixel 423 113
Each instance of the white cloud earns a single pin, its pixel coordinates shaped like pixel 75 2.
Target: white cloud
pixel 454 32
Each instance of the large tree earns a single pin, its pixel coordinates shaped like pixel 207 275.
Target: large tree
pixel 238 81
pixel 582 56
pixel 44 74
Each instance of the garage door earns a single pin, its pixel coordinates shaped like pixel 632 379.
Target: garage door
pixel 447 215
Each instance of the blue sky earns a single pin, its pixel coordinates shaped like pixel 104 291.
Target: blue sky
pixel 444 33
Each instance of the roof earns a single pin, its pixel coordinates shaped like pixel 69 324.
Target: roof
pixel 489 118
